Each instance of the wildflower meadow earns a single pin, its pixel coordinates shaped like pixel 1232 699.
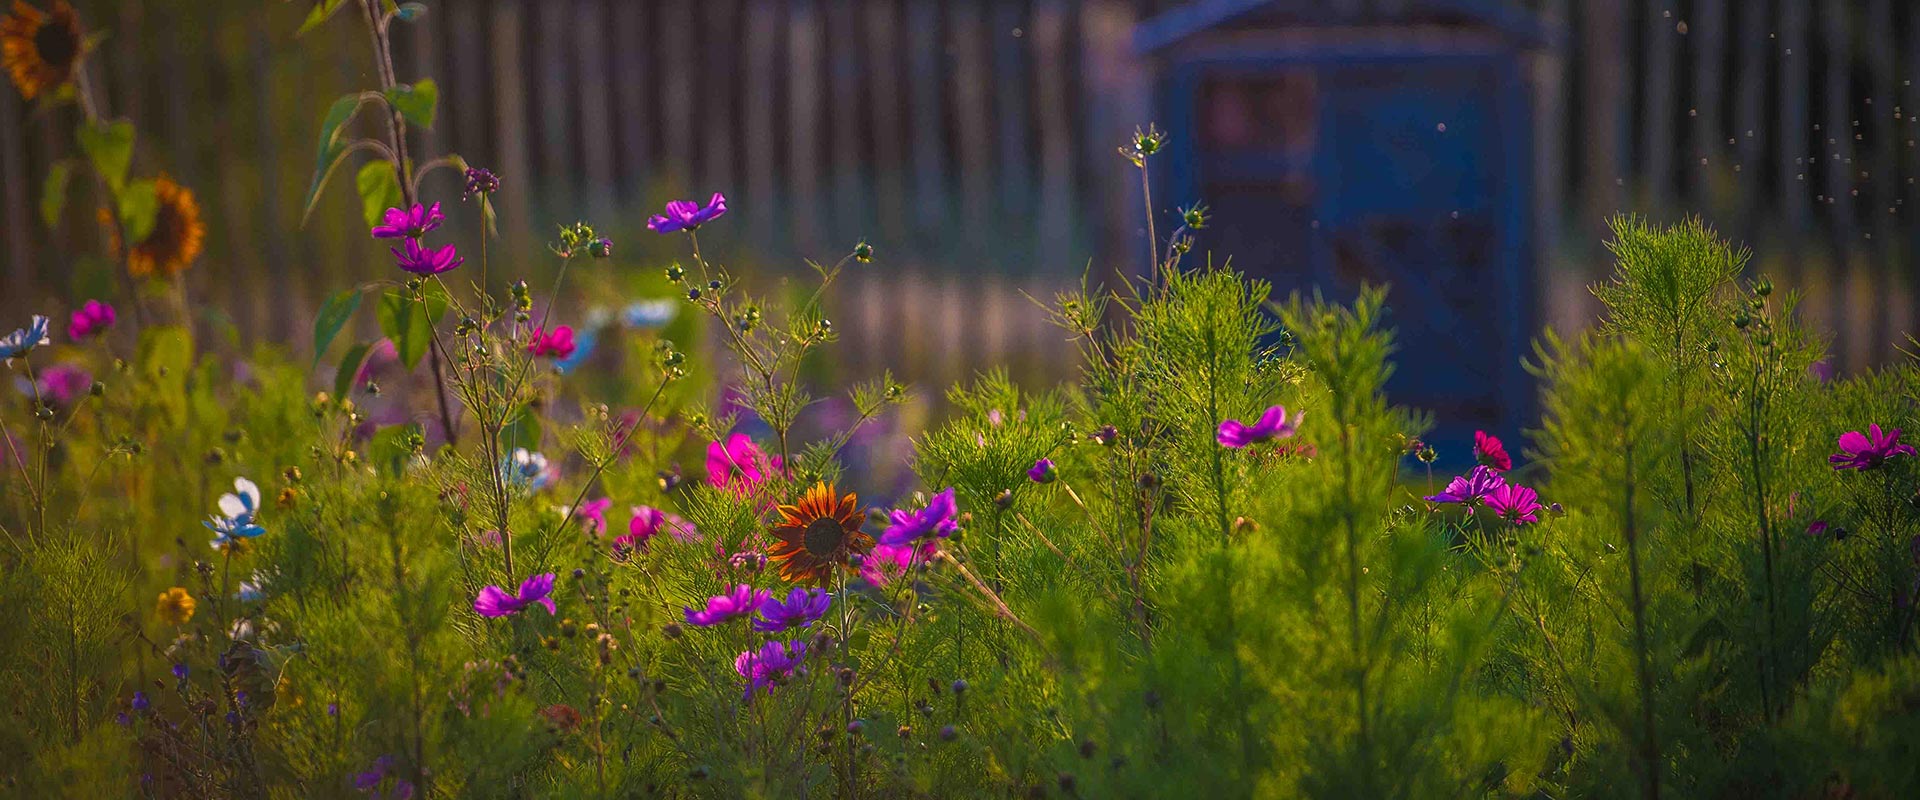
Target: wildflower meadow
pixel 1218 560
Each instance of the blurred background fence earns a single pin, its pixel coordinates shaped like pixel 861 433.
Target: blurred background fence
pixel 972 141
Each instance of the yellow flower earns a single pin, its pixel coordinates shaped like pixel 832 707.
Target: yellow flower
pixel 39 49
pixel 178 234
pixel 175 606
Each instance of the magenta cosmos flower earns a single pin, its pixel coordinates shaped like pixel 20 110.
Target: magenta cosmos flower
pixel 770 663
pixel 593 514
pixel 90 320
pixel 1868 450
pixel 422 260
pixel 801 609
pixel 647 522
pixel 61 385
pixel 886 563
pixel 685 215
pixel 412 223
pixel 1488 450
pixel 1471 488
pixel 1515 503
pixel 738 464
pixel 1272 425
pixel 556 343
pixel 736 603
pixel 936 520
pixel 535 590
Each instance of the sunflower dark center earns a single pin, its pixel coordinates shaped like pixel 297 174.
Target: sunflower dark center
pixel 56 44
pixel 824 536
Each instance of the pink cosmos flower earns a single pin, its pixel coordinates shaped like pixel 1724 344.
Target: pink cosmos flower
pixel 556 343
pixel 1272 425
pixel 535 590
pixel 593 514
pixel 90 320
pixel 739 464
pixel 886 563
pixel 61 385
pixel 648 522
pixel 686 215
pixel 1488 450
pixel 1868 450
pixel 1515 503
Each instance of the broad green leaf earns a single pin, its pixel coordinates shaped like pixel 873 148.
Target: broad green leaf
pixel 109 147
pixel 322 11
pixel 332 149
pixel 379 190
pixel 417 103
pixel 139 208
pixel 53 194
pixel 333 316
pixel 409 324
pixel 349 367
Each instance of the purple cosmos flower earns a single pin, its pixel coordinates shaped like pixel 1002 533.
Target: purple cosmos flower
pixel 593 514
pixel 556 343
pixel 685 215
pixel 180 671
pixel 1470 488
pixel 481 181
pixel 937 519
pixel 90 320
pixel 422 260
pixel 495 602
pixel 1868 450
pixel 1515 503
pixel 800 610
pixel 737 602
pixel 23 340
pixel 1272 425
pixel 772 662
pixel 140 702
pixel 412 223
pixel 1817 528
pixel 1042 471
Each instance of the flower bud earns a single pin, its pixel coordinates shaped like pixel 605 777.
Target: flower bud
pixel 600 248
pixel 863 253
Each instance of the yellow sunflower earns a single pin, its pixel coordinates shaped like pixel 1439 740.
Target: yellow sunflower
pixel 820 531
pixel 40 49
pixel 175 606
pixel 177 238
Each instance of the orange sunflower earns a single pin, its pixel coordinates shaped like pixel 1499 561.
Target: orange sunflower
pixel 177 238
pixel 822 530
pixel 40 49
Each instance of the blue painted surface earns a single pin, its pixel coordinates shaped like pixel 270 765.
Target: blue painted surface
pixel 1373 190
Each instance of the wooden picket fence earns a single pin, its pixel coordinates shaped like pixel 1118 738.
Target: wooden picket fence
pixel 970 140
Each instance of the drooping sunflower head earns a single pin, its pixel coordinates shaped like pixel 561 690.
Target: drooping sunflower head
pixel 816 534
pixel 178 234
pixel 40 49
